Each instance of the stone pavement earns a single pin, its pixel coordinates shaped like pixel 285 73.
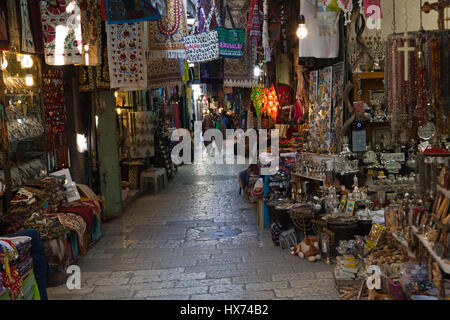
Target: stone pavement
pixel 196 240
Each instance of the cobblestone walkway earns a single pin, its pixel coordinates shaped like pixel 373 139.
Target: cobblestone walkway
pixel 196 240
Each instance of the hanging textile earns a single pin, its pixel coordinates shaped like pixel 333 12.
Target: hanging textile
pixel 27 34
pixel 13 25
pixel 255 22
pixel 36 25
pixel 62 32
pixel 163 73
pixel 274 24
pixel 239 72
pixel 4 34
pixel 271 103
pixel 93 78
pixel 319 43
pixel 284 95
pixel 91 32
pixel 125 11
pixel 126 56
pixel 56 120
pixel 166 36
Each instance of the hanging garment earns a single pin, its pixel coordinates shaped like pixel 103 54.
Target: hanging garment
pixel 367 10
pixel 239 72
pixel 62 32
pixel 166 36
pixel 91 32
pixel 163 73
pixel 125 11
pixel 317 45
pixel 126 56
pixel 27 34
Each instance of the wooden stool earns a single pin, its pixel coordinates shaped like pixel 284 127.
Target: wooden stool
pixel 154 175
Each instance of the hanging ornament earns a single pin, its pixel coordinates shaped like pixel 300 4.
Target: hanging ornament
pixel 347 7
pixel 271 103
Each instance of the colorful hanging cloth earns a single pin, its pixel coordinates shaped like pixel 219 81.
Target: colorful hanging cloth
pixel 61 24
pixel 91 32
pixel 271 103
pixel 27 34
pixel 126 56
pixel 166 36
pixel 126 11
pixel 255 22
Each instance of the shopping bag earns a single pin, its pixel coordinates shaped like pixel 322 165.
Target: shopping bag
pixel 203 47
pixel 231 41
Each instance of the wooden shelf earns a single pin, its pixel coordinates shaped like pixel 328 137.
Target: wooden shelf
pixel 444 266
pixel 369 75
pixel 404 244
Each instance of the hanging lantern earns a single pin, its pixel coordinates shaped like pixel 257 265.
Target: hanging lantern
pixel 271 103
pixel 258 99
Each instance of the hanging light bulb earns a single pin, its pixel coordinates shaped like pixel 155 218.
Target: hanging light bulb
pixel 27 62
pixel 302 31
pixel 257 71
pixel 4 63
pixel 29 81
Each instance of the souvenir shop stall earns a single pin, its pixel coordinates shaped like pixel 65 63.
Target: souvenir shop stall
pixel 40 200
pixel 367 185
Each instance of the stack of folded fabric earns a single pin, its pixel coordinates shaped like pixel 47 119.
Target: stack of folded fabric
pixel 48 226
pixel 24 262
pixel 54 188
pixel 23 205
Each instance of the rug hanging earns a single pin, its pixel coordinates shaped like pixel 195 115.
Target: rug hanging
pixel 126 56
pixel 163 73
pixel 4 37
pixel 166 36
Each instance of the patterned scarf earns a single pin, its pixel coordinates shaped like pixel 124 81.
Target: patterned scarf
pixel 126 56
pixel 62 32
pixel 166 36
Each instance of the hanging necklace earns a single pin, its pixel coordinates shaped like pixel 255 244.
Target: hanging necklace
pixel 347 7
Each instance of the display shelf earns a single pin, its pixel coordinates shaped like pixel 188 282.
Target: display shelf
pixel 444 266
pixel 307 177
pixel 370 75
pixel 404 244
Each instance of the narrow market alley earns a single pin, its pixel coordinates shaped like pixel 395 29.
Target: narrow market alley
pixel 197 239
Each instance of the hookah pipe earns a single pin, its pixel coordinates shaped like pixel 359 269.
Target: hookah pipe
pixel 359 30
